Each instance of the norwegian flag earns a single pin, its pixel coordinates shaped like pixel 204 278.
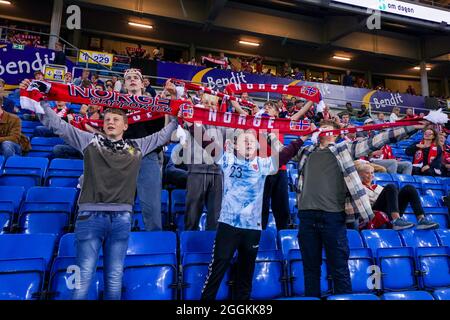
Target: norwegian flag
pixel 310 91
pixel 299 125
pixel 31 97
pixel 187 111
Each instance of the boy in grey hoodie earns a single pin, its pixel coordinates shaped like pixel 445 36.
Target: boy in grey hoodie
pixel 111 167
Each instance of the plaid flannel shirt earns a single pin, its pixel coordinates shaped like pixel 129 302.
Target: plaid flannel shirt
pixel 357 204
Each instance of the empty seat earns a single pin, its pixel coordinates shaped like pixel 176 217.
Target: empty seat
pixel 433 263
pixel 61 272
pixel 407 295
pixel 404 179
pixel 43 147
pixel 294 263
pixel 354 296
pixel 196 249
pixel 10 200
pixel 419 238
pixel 64 173
pixel 443 236
pixel 150 271
pixel 354 239
pixel 47 209
pixel 23 171
pixel 2 162
pixel 442 294
pixel 267 278
pixel 24 260
pixel 395 261
pixel 383 179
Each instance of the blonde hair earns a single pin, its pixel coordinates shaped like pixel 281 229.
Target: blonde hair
pixel 213 100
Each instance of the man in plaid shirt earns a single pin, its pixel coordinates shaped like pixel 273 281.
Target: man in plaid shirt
pixel 331 195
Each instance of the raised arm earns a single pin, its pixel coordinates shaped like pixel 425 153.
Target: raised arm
pixel 158 139
pixel 363 147
pixel 73 136
pixel 302 111
pixel 238 107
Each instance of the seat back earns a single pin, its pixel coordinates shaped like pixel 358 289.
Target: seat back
pixel 419 238
pixel 382 238
pixel 407 295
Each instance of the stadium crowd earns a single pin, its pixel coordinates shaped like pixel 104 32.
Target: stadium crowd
pixel 237 180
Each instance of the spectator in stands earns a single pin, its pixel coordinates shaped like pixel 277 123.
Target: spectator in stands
pixel 384 157
pixel 286 71
pixel 330 194
pixel 411 90
pixel 393 202
pixel 298 75
pixel 347 80
pixel 395 115
pixel 150 174
pixel 68 78
pixel 363 114
pixel 117 83
pixel 38 75
pixel 85 76
pixel 205 177
pixel 96 80
pixel 109 86
pixel 410 114
pixel 427 154
pixel 193 62
pixel 60 56
pixel 324 115
pixel 148 87
pixel 349 110
pixel 445 154
pixel 380 118
pixel 157 54
pixel 240 219
pixel 345 120
pixel 11 139
pixel 107 193
pixel 226 64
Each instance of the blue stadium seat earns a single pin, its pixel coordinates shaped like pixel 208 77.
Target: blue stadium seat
pixel 434 211
pixel 443 236
pixel 419 238
pixel 395 261
pixel 442 294
pixel 64 173
pixel 354 296
pixel 150 271
pixel 24 260
pixel 47 209
pixel 267 279
pixel 354 239
pixel 437 193
pixel 165 206
pixel 434 266
pixel 292 256
pixel 271 224
pixel 196 249
pixel 293 209
pixel 28 127
pixel 178 207
pixel 60 273
pixel 2 162
pixel 43 147
pixel 10 201
pixel 23 171
pixel 407 295
pixel 359 264
pixel 404 179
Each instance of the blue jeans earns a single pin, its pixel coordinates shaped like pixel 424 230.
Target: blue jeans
pixel 94 229
pixel 149 186
pixel 319 229
pixel 9 149
pixel 66 152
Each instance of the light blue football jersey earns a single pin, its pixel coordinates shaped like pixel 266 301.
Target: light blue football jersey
pixel 244 189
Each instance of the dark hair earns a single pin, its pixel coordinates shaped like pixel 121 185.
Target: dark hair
pixel 345 113
pixel 120 112
pixel 332 123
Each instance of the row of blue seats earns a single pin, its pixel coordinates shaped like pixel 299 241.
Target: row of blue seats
pixel 30 171
pixel 407 261
pixel 440 294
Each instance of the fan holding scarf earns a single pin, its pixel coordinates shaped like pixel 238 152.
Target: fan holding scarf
pixel 427 154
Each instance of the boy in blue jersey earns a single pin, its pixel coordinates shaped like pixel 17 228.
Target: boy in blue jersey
pixel 240 223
